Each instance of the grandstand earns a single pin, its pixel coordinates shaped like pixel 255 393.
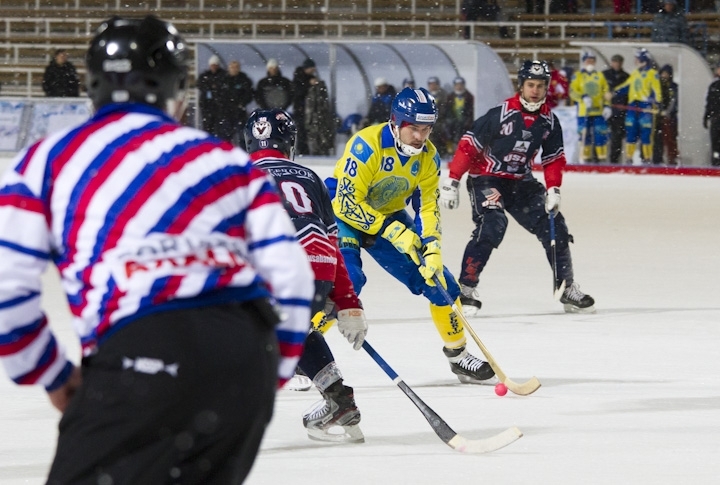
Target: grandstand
pixel 33 29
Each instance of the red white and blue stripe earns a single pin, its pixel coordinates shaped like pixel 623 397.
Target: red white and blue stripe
pixel 139 214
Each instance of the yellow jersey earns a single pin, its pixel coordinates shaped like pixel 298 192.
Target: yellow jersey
pixel 643 85
pixel 592 84
pixel 374 180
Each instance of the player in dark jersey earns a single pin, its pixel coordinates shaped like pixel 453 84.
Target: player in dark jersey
pixel 270 137
pixel 498 153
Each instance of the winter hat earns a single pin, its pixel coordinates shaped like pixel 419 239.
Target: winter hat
pixel 617 58
pixel 588 55
pixel 308 63
pixel 459 80
pixel 408 81
pixel 672 2
pixel 214 60
pixel 667 68
pixel 271 63
pixel 380 81
pixel 433 79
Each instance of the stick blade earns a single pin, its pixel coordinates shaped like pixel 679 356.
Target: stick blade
pixel 559 291
pixel 523 388
pixel 485 445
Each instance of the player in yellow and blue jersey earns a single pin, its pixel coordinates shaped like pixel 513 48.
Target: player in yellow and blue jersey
pixel 588 90
pixel 384 166
pixel 644 94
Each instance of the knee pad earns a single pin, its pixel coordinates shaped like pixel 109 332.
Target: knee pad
pixel 491 228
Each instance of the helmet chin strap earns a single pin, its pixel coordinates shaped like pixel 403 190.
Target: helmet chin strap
pixel 407 150
pixel 531 107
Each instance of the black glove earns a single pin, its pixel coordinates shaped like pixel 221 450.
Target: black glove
pixel 705 123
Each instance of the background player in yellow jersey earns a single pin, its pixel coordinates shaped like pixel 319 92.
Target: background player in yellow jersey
pixel 384 166
pixel 588 89
pixel 644 94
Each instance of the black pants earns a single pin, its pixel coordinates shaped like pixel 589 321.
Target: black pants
pixel 524 200
pixel 179 397
pixel 715 142
pixel 616 124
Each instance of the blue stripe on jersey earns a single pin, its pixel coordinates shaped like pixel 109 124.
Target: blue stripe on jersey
pixel 117 209
pixel 188 196
pixel 24 250
pixel 291 337
pixel 90 173
pixel 19 300
pixel 294 302
pixel 43 361
pixel 18 189
pixel 19 332
pixel 61 377
pixel 269 242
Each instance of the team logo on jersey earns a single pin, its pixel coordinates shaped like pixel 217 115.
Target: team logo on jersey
pixel 526 135
pixel 521 146
pixel 361 150
pixel 261 129
pixel 415 168
pixel 387 190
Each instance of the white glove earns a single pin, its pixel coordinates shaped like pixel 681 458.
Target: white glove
pixel 352 326
pixel 552 200
pixel 607 112
pixel 588 101
pixel 449 193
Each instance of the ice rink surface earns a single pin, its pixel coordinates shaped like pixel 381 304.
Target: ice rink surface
pixel 630 394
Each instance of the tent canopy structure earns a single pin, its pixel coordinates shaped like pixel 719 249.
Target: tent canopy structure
pixel 691 73
pixel 350 67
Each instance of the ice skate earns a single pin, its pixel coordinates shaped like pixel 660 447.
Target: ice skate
pixel 298 382
pixel 470 301
pixel 468 368
pixel 575 301
pixel 335 418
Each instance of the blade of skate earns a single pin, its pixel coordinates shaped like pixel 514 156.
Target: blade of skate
pixel 349 434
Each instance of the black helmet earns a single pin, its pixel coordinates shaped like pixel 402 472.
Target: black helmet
pixel 271 128
pixel 140 60
pixel 534 70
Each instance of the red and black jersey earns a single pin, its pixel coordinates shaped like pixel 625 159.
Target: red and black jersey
pixel 308 203
pixel 504 142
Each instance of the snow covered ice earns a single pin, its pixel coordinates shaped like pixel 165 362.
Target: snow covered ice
pixel 630 394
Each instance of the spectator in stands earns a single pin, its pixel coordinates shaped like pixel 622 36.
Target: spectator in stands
pixel 320 120
pixel 408 82
pixel 711 118
pixel 559 88
pixel 304 76
pixel 563 6
pixel 534 6
pixel 459 112
pixel 670 24
pixel 212 90
pixel 274 90
pixel 666 123
pixel 381 102
pixel 437 137
pixel 623 6
pixel 615 76
pixel 481 10
pixel 60 79
pixel 240 94
pixel 588 90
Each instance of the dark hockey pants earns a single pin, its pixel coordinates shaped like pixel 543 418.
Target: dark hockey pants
pixel 178 397
pixel 524 200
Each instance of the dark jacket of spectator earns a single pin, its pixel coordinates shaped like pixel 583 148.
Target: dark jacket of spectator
pixel 60 79
pixel 274 90
pixel 303 78
pixel 381 103
pixel 320 121
pixel 459 111
pixel 670 25
pixel 212 96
